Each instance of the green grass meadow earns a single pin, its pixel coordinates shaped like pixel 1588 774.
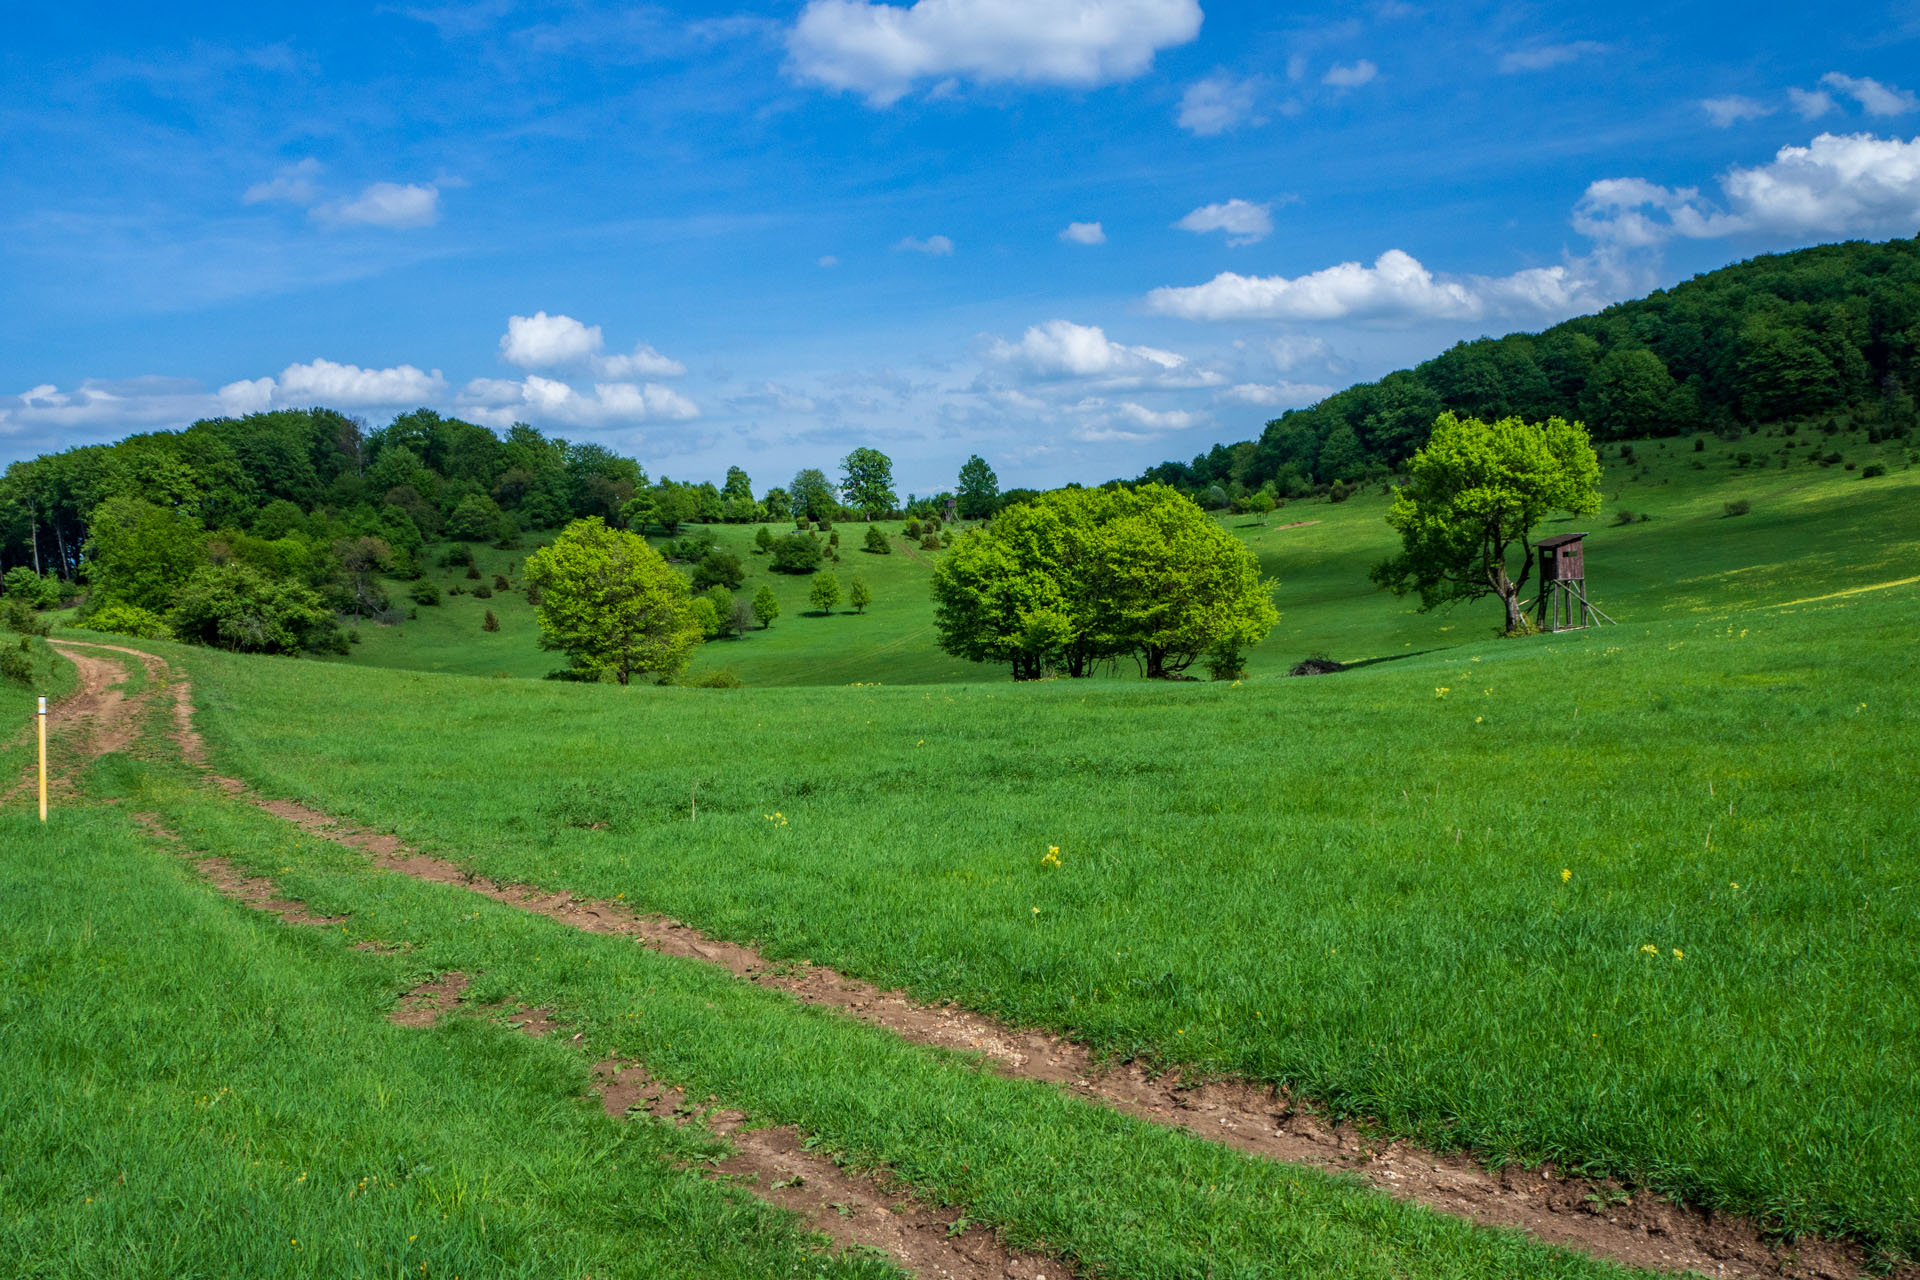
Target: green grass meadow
pixel 1636 899
pixel 1640 900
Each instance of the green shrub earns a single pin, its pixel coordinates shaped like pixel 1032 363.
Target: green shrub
pixel 16 667
pixel 706 616
pixel 456 555
pixel 825 592
pixel 718 569
pixel 490 623
pixel 763 539
pixel 858 594
pixel 500 582
pixel 912 529
pixel 1871 470
pixel 721 679
pixel 1738 507
pixel 236 608
pixel 797 553
pixel 1225 662
pixel 879 545
pixel 930 543
pixel 32 589
pixel 118 618
pixel 473 572
pixel 424 592
pixel 483 592
pixel 766 607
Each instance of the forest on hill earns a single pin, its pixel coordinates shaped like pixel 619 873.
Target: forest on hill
pixel 1793 335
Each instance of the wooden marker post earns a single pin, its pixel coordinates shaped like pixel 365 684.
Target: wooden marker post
pixel 42 718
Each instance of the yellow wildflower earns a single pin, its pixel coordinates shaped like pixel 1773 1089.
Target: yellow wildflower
pixel 1566 874
pixel 1650 949
pixel 1678 954
pixel 1440 691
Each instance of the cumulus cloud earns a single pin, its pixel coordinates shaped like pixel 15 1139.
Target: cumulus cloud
pixel 1218 103
pixel 1103 423
pixel 1544 56
pixel 933 246
pixel 1063 349
pixel 884 50
pixel 501 401
pixel 1875 99
pixel 1243 221
pixel 1291 351
pixel 293 183
pixel 1732 109
pixel 1275 395
pixel 1084 233
pixel 385 204
pixel 1350 77
pixel 344 386
pixel 1396 289
pixel 541 341
pixel 828 260
pixel 1811 104
pixel 1852 184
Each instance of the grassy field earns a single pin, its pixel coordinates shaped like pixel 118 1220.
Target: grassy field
pixel 223 1095
pixel 1635 899
pixel 1805 526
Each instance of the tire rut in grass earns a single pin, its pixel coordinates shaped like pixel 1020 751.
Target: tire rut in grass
pixel 854 1210
pixel 1603 1218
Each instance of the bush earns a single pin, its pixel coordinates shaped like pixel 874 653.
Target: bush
pixel 718 569
pixel 797 553
pixel 930 543
pixel 456 590
pixel 763 539
pixel 483 592
pixel 235 608
pixel 833 539
pixel 766 607
pixel 478 518
pixel 1743 459
pixel 18 616
pixel 858 595
pixel 16 667
pixel 877 542
pixel 932 524
pixel 118 618
pixel 1871 470
pixel 569 675
pixel 1338 492
pixel 1831 459
pixel 1225 662
pixel 721 679
pixel 723 610
pixel 912 530
pixel 424 592
pixel 500 582
pixel 1699 444
pixel 1623 516
pixel 1738 507
pixel 490 623
pixel 31 589
pixel 454 556
pixel 705 617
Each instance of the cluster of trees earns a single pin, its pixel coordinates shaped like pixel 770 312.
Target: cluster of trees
pixel 1785 336
pixel 1079 577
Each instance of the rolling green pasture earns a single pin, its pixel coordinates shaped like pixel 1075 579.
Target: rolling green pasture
pixel 1806 524
pixel 1639 899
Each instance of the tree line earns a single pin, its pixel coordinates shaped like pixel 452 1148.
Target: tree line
pixel 1792 335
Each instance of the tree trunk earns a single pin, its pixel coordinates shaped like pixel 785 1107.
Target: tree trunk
pixel 1516 621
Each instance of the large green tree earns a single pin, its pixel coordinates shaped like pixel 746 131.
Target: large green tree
pixel 1471 501
pixel 866 482
pixel 979 491
pixel 811 495
pixel 141 553
pixel 611 603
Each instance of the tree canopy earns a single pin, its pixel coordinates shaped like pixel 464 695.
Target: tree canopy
pixel 612 603
pixel 866 482
pixel 1076 577
pixel 1472 499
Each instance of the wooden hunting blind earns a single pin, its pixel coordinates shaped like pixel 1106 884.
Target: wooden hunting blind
pixel 1563 604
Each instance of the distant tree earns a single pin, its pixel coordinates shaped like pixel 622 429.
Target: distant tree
pixel 1630 394
pixel 797 553
pixel 979 491
pixel 490 622
pixel 1472 499
pixel 723 602
pixel 779 505
pixel 705 617
pixel 877 542
pixel 718 568
pixel 813 495
pixel 737 486
pixel 858 595
pixel 612 603
pixel 478 518
pixel 361 562
pixel 34 590
pixel 673 506
pixel 867 482
pixel 1341 457
pixel 765 607
pixel 825 592
pixel 763 539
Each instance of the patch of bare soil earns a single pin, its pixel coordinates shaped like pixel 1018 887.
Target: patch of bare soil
pixel 1297 524
pixel 422 1006
pixel 1602 1218
pixel 93 720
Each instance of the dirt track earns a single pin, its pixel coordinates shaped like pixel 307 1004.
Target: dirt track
pixel 1603 1219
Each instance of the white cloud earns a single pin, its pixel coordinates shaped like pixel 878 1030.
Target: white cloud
pixel 1218 103
pixel 884 50
pixel 1396 289
pixel 1243 221
pixel 1291 351
pixel 1875 99
pixel 933 246
pixel 541 341
pixel 385 204
pixel 828 260
pixel 1350 77
pixel 1063 349
pixel 1084 233
pixel 1275 395
pixel 345 386
pixel 550 401
pixel 1811 105
pixel 1837 185
pixel 1104 423
pixel 1542 57
pixel 1732 109
pixel 293 183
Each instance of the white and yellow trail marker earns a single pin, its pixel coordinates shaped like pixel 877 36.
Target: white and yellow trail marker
pixel 42 718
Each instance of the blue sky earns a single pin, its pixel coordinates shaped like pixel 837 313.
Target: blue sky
pixel 1074 236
